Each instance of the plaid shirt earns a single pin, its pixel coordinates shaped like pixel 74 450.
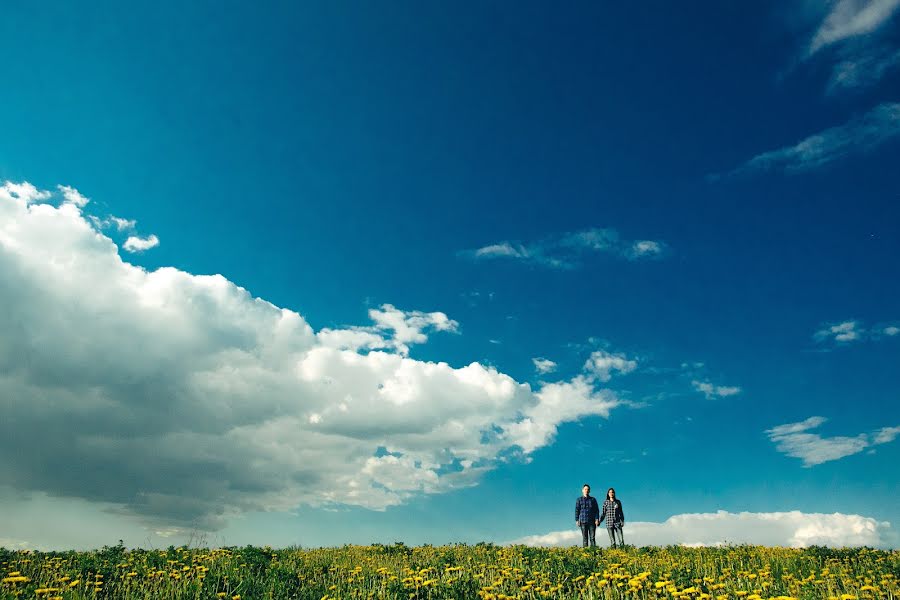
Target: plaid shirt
pixel 612 512
pixel 586 509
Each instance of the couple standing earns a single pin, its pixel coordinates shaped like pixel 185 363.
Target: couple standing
pixel 588 517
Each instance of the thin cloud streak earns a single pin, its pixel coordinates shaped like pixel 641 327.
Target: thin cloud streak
pixel 861 134
pixel 568 250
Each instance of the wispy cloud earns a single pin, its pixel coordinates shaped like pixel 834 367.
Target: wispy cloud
pixel 795 440
pixel 112 221
pixel 860 134
pixel 715 391
pixel 852 18
pixel 794 529
pixel 567 250
pixel 851 34
pixel 851 330
pixel 861 70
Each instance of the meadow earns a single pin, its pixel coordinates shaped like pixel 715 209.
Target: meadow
pixel 482 571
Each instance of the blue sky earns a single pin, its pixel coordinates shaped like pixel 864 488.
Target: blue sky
pixel 690 211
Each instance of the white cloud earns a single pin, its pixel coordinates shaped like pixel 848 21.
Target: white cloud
pixel 848 331
pixel 543 365
pixel 852 18
pixel 139 244
pixel 408 326
pixel 353 339
pixel 393 329
pixel 73 196
pixel 602 364
pixel 184 400
pixel 885 435
pixel 715 391
pixel 566 251
pixel 122 224
pixel 558 403
pixel 113 221
pixel 23 192
pixel 860 134
pixel 794 529
pixel 646 249
pixel 853 331
pixel 794 439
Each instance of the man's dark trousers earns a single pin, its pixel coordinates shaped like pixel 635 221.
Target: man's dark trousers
pixel 588 533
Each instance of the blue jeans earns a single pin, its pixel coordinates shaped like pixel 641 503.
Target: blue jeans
pixel 612 536
pixel 588 533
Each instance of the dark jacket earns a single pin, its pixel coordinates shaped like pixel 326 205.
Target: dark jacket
pixel 620 515
pixel 586 509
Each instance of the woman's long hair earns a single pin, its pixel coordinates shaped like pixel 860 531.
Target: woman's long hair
pixel 613 490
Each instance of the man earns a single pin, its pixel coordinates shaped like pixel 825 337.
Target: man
pixel 587 516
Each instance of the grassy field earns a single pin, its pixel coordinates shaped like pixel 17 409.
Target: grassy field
pixel 481 571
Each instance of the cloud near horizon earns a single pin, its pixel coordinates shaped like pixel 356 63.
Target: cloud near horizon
pixel 793 529
pixel 184 400
pixel 567 251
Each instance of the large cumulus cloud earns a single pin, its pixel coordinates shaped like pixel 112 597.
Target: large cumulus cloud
pixel 183 399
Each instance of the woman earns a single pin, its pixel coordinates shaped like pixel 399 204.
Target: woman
pixel 615 518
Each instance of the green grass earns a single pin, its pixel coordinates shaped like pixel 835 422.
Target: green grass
pixel 459 571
